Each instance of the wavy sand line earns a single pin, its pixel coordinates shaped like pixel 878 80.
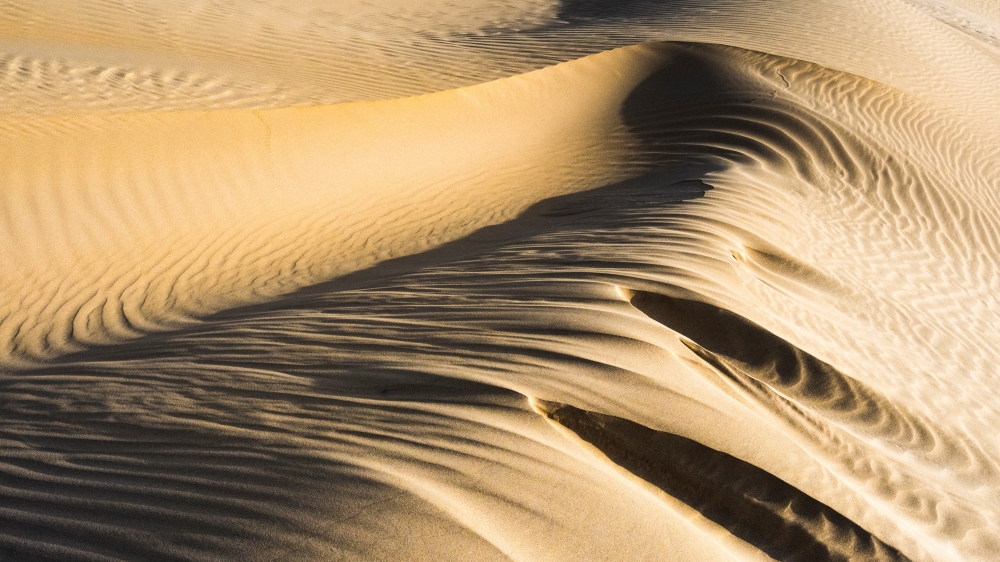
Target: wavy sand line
pixel 126 238
pixel 809 394
pixel 848 217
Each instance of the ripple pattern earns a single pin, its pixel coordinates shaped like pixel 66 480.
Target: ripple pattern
pixel 732 296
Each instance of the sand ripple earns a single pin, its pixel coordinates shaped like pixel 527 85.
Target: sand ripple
pixel 729 296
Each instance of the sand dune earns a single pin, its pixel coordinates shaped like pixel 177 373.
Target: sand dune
pixel 146 219
pixel 516 280
pixel 749 502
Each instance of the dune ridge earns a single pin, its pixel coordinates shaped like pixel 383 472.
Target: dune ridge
pixel 751 503
pixel 570 280
pixel 176 205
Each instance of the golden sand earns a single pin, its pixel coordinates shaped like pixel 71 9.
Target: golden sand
pixel 590 280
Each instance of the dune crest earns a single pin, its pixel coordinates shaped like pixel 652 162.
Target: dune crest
pixel 147 220
pixel 574 280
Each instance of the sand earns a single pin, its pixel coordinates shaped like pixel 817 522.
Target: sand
pixel 517 280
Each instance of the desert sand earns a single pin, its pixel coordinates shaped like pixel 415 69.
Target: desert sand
pixel 515 280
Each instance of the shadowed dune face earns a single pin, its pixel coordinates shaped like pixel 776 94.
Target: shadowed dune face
pixel 761 286
pixel 222 464
pixel 742 351
pixel 759 353
pixel 749 502
pixel 838 415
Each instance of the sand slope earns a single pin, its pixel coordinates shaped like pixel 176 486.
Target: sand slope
pixel 119 223
pixel 729 296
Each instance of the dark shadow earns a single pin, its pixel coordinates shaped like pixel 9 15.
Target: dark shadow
pixel 751 347
pixel 165 462
pixel 747 354
pixel 691 72
pixel 603 11
pixel 749 502
pixel 708 103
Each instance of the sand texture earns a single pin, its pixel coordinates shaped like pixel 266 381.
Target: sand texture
pixel 584 280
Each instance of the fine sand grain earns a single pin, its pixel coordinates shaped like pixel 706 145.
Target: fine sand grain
pixel 517 280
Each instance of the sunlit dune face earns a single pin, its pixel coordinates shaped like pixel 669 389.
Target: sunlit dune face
pixel 435 280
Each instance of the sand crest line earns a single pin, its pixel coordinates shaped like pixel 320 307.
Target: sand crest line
pixel 760 290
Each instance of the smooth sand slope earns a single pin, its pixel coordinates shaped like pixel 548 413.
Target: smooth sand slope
pixel 118 223
pixel 515 281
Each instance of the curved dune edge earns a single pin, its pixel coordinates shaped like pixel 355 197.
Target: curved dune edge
pixel 779 205
pixel 748 502
pixel 124 223
pixel 838 417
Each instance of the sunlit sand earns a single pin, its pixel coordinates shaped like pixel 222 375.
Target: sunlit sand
pixel 589 280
